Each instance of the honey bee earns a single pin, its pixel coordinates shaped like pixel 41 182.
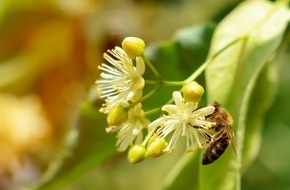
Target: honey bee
pixel 224 135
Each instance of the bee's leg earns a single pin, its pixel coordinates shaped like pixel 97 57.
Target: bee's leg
pixel 205 142
pixel 195 127
pixel 205 134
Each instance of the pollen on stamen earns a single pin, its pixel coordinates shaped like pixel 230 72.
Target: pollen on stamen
pixel 117 83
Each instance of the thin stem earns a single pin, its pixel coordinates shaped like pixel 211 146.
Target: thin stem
pixel 149 94
pixel 152 111
pixel 147 138
pixel 173 83
pixel 211 59
pixel 144 97
pixel 165 83
pixel 151 82
pixel 151 66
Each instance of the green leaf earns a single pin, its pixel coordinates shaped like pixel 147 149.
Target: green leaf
pixel 193 45
pixel 261 99
pixel 272 160
pixel 232 77
pixel 184 54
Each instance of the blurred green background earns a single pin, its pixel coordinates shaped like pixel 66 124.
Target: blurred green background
pixel 49 53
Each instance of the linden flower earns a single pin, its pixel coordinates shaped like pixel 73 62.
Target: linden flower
pixel 183 119
pixel 120 80
pixel 24 130
pixel 131 129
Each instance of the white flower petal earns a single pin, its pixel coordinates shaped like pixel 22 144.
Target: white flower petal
pixel 140 66
pixel 177 99
pixel 156 123
pixel 140 83
pixel 190 106
pixel 171 109
pixel 204 111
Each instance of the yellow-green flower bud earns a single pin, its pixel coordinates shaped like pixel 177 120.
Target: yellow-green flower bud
pixel 133 46
pixel 156 146
pixel 192 92
pixel 136 154
pixel 117 116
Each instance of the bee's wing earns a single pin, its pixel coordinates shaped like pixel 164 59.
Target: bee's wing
pixel 232 136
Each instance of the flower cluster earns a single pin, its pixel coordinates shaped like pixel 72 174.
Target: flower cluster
pixel 121 86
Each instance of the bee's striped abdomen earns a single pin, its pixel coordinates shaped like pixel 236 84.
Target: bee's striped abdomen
pixel 216 149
